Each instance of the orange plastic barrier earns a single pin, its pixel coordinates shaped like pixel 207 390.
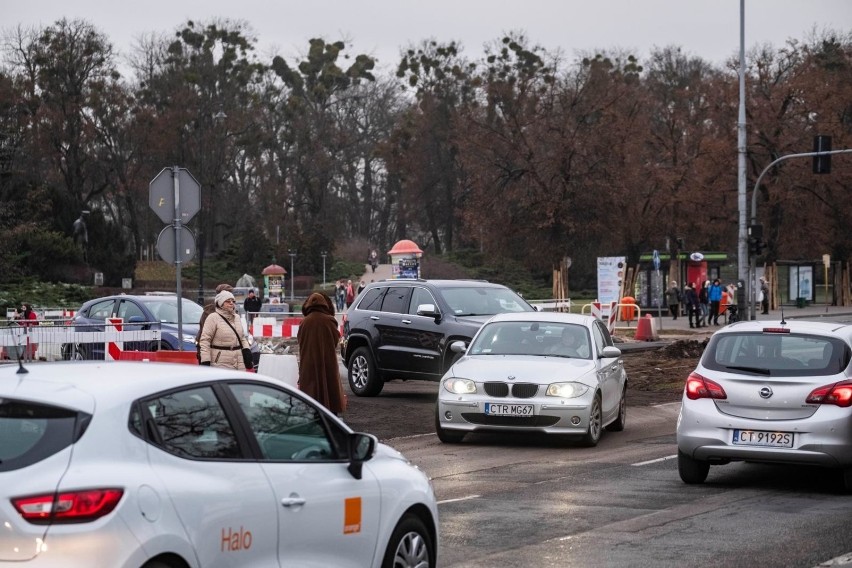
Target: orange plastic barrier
pixel 646 329
pixel 628 313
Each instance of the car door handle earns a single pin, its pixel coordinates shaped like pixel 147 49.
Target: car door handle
pixel 293 501
pixel 406 321
pixel 376 318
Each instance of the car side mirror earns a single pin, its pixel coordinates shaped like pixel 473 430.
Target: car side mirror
pixel 429 310
pixel 610 352
pixel 458 347
pixel 362 447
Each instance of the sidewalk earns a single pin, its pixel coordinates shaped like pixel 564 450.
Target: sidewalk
pixel 665 323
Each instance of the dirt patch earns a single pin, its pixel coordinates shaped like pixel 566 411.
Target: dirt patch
pixel 657 376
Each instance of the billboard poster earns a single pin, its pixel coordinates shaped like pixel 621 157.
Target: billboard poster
pixel 801 280
pixel 610 277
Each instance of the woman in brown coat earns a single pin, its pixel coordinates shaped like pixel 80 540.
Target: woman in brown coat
pixel 319 370
pixel 221 344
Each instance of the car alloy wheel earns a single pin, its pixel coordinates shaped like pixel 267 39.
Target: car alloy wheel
pixel 363 378
pixel 410 545
pixel 593 434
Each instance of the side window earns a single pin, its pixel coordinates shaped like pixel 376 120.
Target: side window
pixel 420 296
pixel 607 338
pixel 600 341
pixel 127 309
pixel 371 299
pixel 192 424
pixel 101 310
pixel 396 300
pixel 286 427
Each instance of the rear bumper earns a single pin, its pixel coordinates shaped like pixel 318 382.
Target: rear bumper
pixel 824 439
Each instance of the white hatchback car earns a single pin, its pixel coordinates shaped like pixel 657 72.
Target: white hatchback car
pixel 536 372
pixel 151 465
pixel 769 392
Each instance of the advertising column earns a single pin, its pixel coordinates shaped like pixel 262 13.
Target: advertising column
pixel 610 277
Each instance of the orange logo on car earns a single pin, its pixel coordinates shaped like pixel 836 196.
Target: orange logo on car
pixel 352 515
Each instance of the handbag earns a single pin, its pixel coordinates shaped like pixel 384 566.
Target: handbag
pixel 246 352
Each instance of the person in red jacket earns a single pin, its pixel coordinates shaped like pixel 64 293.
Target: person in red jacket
pixel 29 318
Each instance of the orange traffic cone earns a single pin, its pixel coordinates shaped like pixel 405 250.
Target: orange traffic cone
pixel 646 329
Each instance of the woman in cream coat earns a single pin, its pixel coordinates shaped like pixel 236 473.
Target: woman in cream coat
pixel 220 345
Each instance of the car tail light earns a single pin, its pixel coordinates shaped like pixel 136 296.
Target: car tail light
pixel 839 394
pixel 776 330
pixel 68 507
pixel 702 387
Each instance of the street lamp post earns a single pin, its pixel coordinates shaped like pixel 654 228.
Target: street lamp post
pixel 292 254
pixel 323 253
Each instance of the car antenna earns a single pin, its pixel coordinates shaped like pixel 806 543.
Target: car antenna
pixel 782 316
pixel 21 369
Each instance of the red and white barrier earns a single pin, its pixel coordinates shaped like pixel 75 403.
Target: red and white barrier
pixel 271 327
pixel 607 316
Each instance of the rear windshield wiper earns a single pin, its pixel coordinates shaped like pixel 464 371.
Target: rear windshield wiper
pixel 758 370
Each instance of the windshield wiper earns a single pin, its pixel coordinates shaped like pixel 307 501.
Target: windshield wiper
pixel 758 370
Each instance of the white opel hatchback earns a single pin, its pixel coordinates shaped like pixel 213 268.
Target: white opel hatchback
pixel 771 392
pixel 150 465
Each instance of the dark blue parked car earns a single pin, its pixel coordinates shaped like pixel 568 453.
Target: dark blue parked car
pixel 155 312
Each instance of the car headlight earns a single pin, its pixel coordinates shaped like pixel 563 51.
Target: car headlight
pixel 460 386
pixel 566 390
pixel 188 338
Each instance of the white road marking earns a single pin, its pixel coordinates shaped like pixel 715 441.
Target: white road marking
pixel 654 461
pixel 467 498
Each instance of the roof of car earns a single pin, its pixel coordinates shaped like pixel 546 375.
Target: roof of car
pixel 795 325
pixel 462 283
pixel 84 383
pixel 541 317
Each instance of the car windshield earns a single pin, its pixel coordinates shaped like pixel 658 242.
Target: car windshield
pixel 165 310
pixel 532 338
pixel 777 354
pixel 484 301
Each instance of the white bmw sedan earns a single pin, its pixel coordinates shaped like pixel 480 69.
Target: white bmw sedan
pixel 151 465
pixel 548 373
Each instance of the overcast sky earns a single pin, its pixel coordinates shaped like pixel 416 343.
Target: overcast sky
pixel 705 28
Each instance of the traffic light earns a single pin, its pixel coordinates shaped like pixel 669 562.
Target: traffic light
pixel 755 240
pixel 822 164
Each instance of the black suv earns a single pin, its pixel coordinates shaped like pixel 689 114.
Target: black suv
pixel 402 329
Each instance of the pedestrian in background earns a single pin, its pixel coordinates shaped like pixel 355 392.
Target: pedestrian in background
pixel 319 366
pixel 704 302
pixel 252 305
pixel 361 287
pixel 714 293
pixel 223 340
pixel 27 314
pixel 350 294
pixel 693 306
pixel 764 296
pixel 673 299
pixel 208 309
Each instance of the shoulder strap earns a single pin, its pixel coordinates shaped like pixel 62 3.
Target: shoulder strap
pixel 239 339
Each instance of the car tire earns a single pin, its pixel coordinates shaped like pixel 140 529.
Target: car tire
pixel 78 353
pixel 445 435
pixel 364 380
pixel 847 479
pixel 691 470
pixel 593 433
pixel 618 425
pixel 410 545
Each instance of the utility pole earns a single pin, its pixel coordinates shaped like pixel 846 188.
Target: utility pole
pixel 742 240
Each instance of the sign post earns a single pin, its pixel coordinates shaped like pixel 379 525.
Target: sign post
pixel 174 195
